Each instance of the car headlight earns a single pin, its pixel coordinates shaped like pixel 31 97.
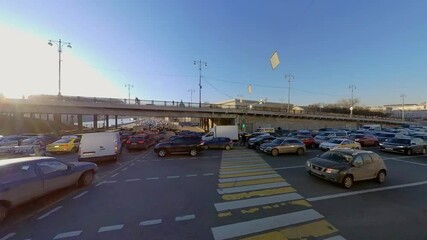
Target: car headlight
pixel 331 170
pixel 308 164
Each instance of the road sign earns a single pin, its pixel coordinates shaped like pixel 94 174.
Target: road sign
pixel 274 60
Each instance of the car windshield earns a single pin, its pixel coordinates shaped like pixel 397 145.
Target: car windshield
pixel 64 140
pixel 399 140
pixel 336 141
pixel 337 156
pixel 277 141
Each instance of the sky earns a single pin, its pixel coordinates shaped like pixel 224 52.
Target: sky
pixel 327 45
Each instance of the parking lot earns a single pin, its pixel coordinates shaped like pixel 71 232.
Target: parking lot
pixel 239 193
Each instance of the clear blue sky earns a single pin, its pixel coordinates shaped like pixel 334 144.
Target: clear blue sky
pixel 328 45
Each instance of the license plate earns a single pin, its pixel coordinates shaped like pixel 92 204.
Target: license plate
pixel 388 148
pixel 133 143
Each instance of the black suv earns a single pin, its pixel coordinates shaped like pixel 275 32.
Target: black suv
pixel 407 146
pixel 180 145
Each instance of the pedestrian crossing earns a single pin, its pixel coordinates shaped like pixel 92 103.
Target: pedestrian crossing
pixel 258 204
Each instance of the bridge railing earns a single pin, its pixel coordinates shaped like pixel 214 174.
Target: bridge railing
pixel 193 105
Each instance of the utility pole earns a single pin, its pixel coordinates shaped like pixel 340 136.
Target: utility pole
pixel 60 44
pixel 403 96
pixel 289 77
pixel 129 86
pixel 352 87
pixel 200 79
pixel 191 91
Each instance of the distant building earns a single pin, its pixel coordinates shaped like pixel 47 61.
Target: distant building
pixel 256 105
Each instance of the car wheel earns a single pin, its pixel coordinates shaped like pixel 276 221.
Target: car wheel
pixel 86 178
pixel 206 147
pixel 409 152
pixel 193 152
pixel 3 212
pixel 162 153
pixel 227 147
pixel 274 152
pixel 381 176
pixel 300 151
pixel 347 181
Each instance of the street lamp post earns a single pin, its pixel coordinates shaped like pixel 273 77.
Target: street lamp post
pixel 200 79
pixel 352 87
pixel 191 91
pixel 403 106
pixel 129 86
pixel 60 44
pixel 289 77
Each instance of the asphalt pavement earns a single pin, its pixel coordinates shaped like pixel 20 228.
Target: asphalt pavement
pixel 236 194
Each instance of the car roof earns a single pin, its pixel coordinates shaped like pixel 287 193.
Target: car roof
pixel 22 160
pixel 350 151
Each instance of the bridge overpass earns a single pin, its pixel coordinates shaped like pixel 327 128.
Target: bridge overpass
pixel 208 114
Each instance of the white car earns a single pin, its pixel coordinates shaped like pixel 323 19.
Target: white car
pixel 339 143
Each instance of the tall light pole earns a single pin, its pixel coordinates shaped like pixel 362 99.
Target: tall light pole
pixel 191 91
pixel 129 86
pixel 403 106
pixel 289 77
pixel 352 87
pixel 200 79
pixel 60 44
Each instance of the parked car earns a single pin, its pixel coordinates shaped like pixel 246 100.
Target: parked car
pixel 23 179
pixel 364 139
pixel 64 145
pixel 283 145
pixel 308 140
pixel 219 142
pixel 382 136
pixel 100 146
pixel 345 166
pixel 339 143
pixel 327 135
pixel 255 143
pixel 13 140
pixel 141 141
pixel 406 146
pixel 257 134
pixel 180 145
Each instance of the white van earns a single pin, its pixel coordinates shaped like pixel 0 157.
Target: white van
pixel 100 146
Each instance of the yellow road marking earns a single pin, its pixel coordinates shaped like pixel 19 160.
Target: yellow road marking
pixel 224 214
pixel 245 174
pixel 259 193
pixel 301 203
pixel 252 210
pixel 315 229
pixel 250 182
pixel 224 171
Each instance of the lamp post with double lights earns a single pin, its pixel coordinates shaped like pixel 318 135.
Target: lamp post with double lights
pixel 60 44
pixel 200 79
pixel 191 91
pixel 129 86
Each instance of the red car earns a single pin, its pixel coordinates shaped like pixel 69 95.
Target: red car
pixel 364 140
pixel 308 140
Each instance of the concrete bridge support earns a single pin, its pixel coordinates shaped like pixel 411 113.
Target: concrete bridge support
pixel 95 121
pixel 80 122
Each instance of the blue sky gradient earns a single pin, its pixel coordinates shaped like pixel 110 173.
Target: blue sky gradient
pixel 378 46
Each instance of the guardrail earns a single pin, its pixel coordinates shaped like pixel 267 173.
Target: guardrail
pixel 192 105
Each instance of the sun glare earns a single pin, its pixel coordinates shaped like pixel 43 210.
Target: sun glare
pixel 30 66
